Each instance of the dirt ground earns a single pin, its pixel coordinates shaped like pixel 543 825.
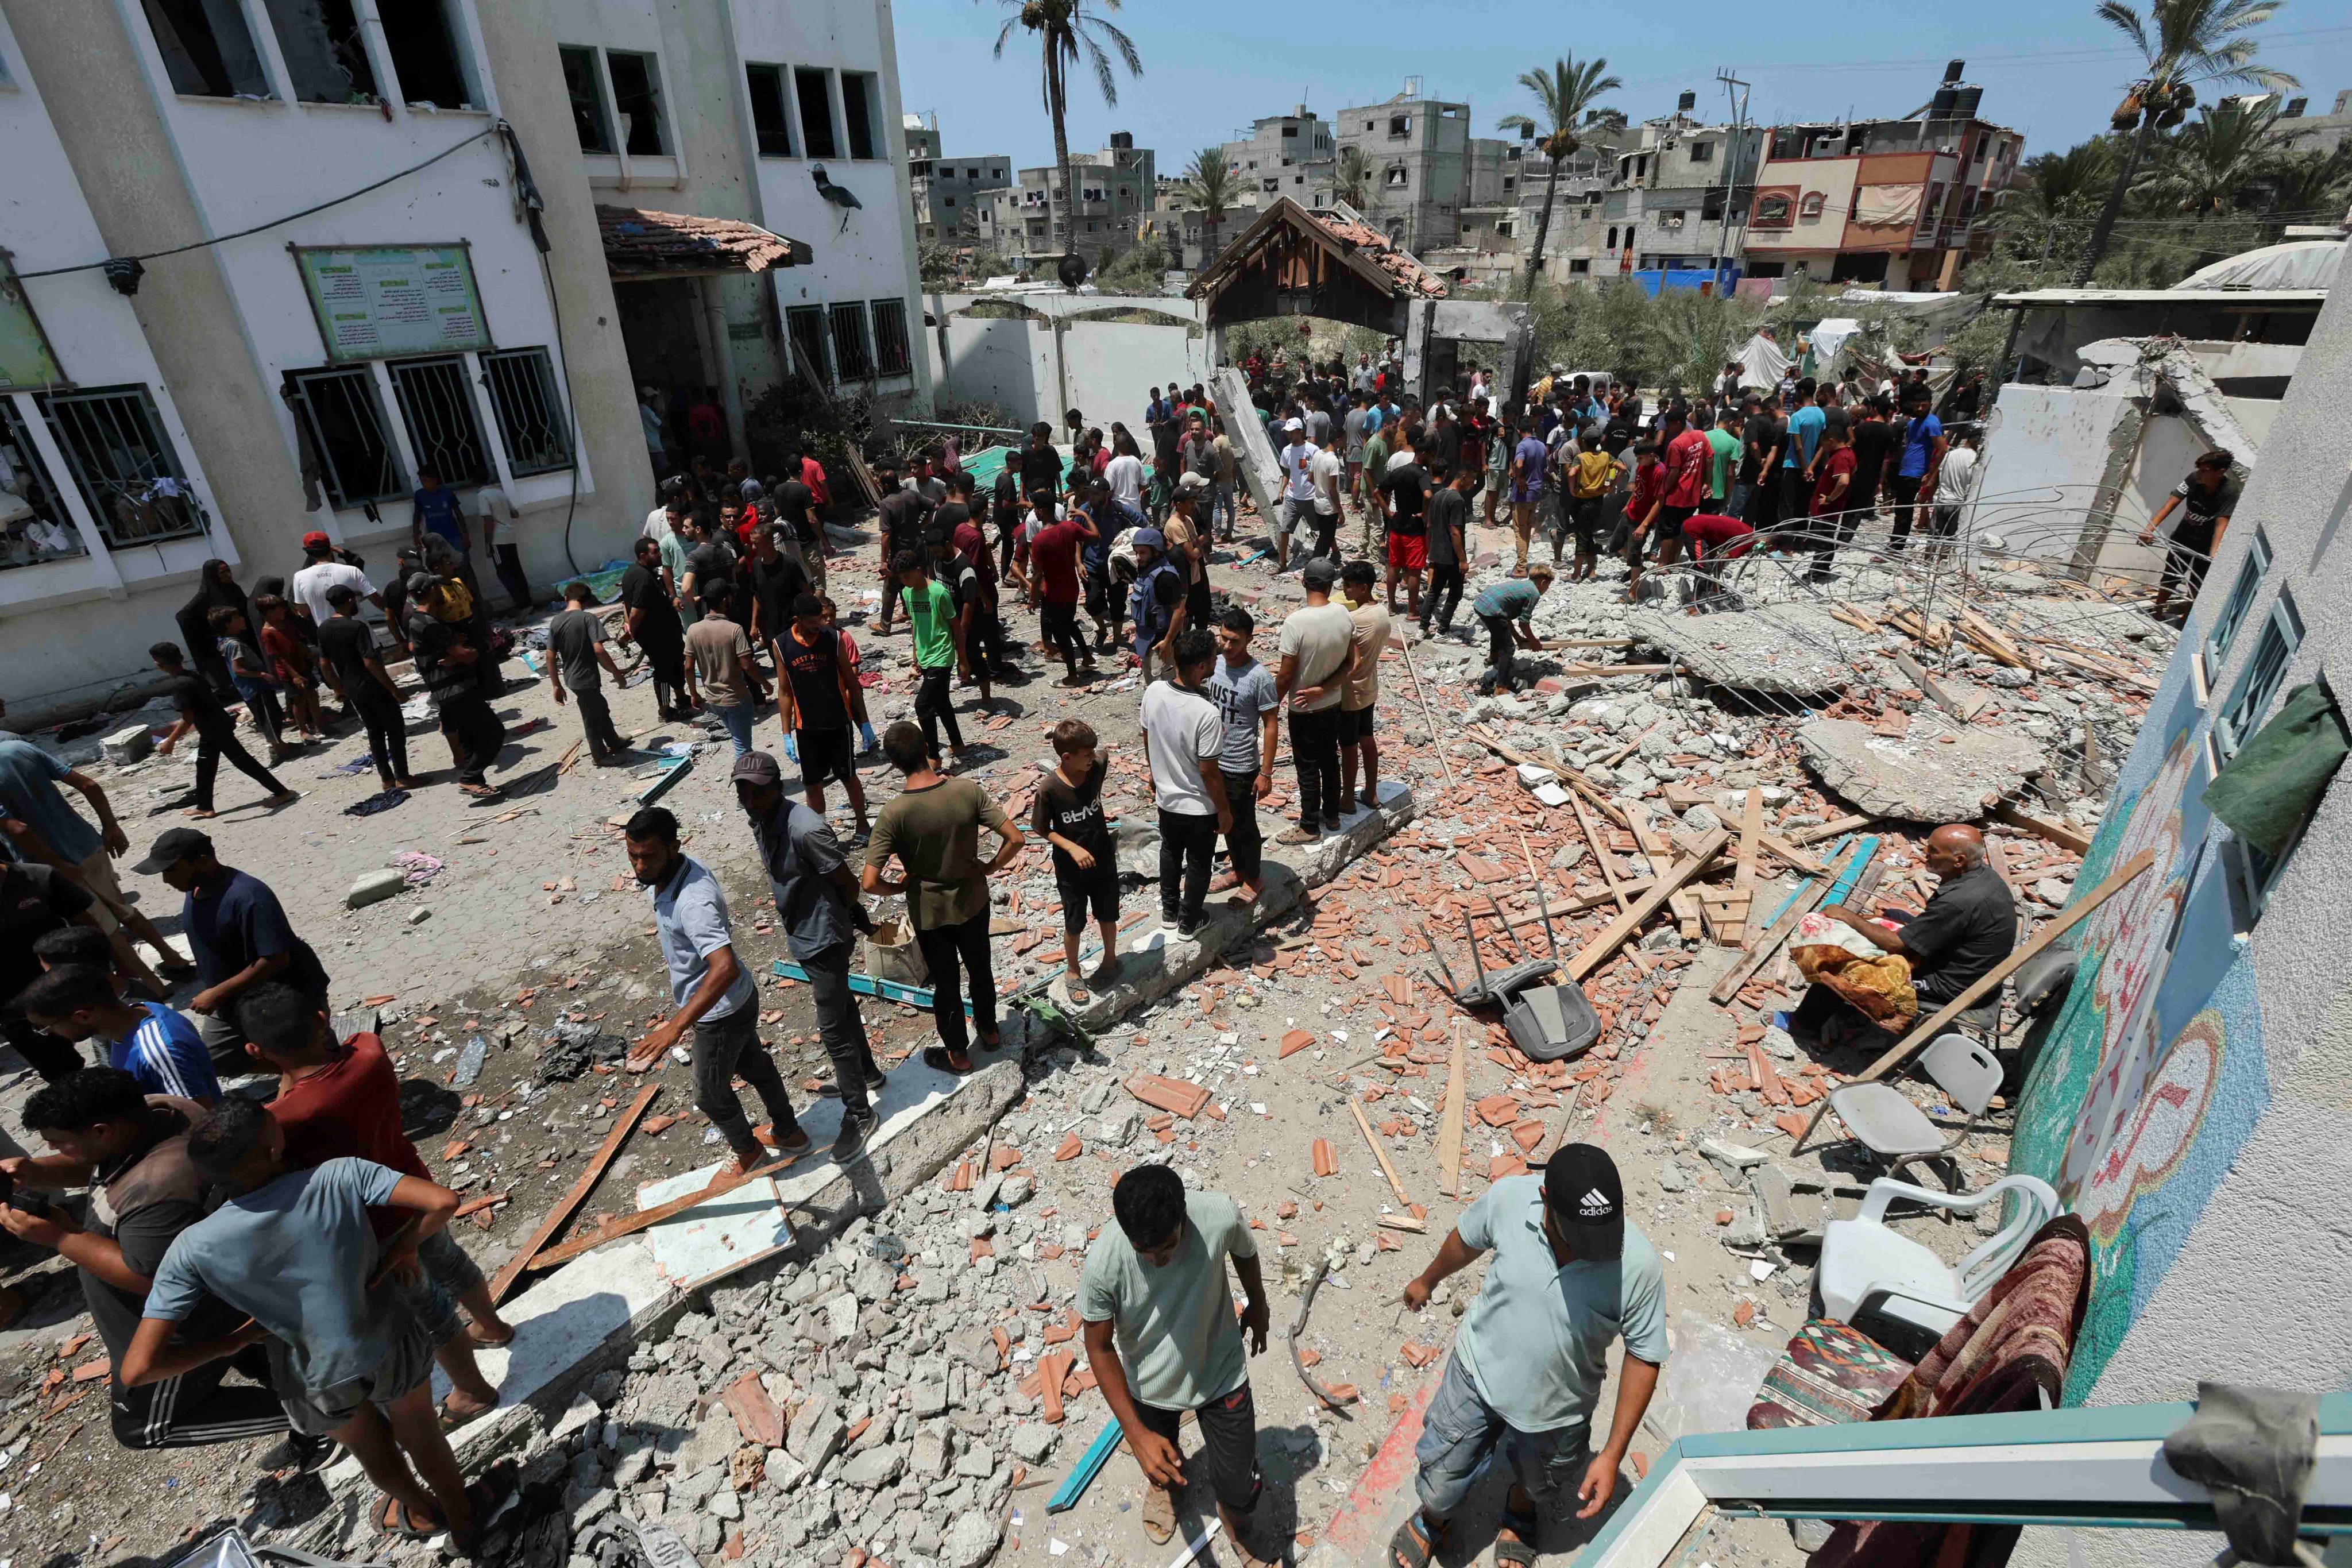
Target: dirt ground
pixel 531 919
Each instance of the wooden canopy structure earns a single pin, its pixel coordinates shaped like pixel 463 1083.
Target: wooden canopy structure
pixel 1294 262
pixel 640 244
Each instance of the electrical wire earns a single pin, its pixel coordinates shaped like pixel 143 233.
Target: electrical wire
pixel 491 130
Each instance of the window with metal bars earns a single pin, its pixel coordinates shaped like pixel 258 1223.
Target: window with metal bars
pixel 436 407
pixel 804 324
pixel 357 457
pixel 47 532
pixel 852 358
pixel 2259 681
pixel 892 352
pixel 529 412
pixel 126 469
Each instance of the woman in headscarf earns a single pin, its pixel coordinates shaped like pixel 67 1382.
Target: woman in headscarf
pixel 216 589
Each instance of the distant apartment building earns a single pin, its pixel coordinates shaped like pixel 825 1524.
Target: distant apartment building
pixel 2299 131
pixel 1035 222
pixel 1424 165
pixel 1285 155
pixel 1675 201
pixel 949 195
pixel 1900 203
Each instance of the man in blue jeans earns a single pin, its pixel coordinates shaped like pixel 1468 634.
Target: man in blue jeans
pixel 721 652
pixel 1570 1274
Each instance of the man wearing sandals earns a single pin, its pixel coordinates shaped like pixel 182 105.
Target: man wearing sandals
pixel 1161 1339
pixel 1568 1275
pixel 294 1251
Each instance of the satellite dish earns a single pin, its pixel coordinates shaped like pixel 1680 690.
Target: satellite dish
pixel 1071 269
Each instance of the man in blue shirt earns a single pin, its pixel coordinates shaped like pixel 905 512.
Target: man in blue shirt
pixel 239 933
pixel 1915 470
pixel 1807 420
pixel 436 511
pixel 714 992
pixel 1512 599
pixel 76 1002
pixel 30 777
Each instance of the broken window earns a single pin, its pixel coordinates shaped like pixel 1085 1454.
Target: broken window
pixel 892 353
pixel 1702 152
pixel 2234 609
pixel 861 111
pixel 345 420
pixel 816 114
pixel 47 532
pixel 1400 125
pixel 851 356
pixel 425 60
pixel 585 85
pixel 436 404
pixel 770 124
pixel 532 424
pixel 804 325
pixel 207 50
pixel 1579 265
pixel 324 57
pixel 637 98
pixel 1395 181
pixel 2259 682
pixel 125 467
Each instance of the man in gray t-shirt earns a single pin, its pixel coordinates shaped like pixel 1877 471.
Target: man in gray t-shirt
pixel 576 647
pixel 1244 691
pixel 1317 648
pixel 714 994
pixel 296 1251
pixel 817 904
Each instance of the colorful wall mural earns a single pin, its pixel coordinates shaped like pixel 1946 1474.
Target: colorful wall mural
pixel 2152 1078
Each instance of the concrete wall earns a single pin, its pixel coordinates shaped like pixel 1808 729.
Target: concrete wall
pixel 2190 1103
pixel 1056 357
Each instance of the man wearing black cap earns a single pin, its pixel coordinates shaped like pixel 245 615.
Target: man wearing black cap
pixel 1568 1275
pixel 239 933
pixel 818 907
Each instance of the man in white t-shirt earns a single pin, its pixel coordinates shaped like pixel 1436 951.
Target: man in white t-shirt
pixel 1953 477
pixel 1182 732
pixel 1124 474
pixel 1325 470
pixel 321 571
pixel 1298 489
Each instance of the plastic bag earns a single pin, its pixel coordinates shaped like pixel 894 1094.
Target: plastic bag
pixel 1711 1379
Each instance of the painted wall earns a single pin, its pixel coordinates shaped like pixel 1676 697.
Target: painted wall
pixel 2191 1103
pixel 1058 358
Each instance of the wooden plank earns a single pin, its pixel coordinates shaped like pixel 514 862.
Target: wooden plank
pixel 1751 831
pixel 569 1205
pixel 614 1227
pixel 1436 736
pixel 1612 936
pixel 1378 1153
pixel 1449 1123
pixel 1928 684
pixel 1794 857
pixel 1567 776
pixel 2064 837
pixel 1686 908
pixel 1770 943
pixel 1928 1029
pixel 1829 829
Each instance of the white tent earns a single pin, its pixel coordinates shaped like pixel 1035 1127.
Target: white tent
pixel 2298 264
pixel 1761 363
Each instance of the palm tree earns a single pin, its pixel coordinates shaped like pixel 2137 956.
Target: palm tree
pixel 1564 94
pixel 2206 168
pixel 1351 176
pixel 2183 42
pixel 2305 188
pixel 1211 185
pixel 1066 32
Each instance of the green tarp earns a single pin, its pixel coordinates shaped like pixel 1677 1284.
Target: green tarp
pixel 2269 789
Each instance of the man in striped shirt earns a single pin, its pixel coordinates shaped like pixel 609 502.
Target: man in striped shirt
pixel 154 1045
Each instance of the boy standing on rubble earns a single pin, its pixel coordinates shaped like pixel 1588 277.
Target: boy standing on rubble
pixel 1161 1339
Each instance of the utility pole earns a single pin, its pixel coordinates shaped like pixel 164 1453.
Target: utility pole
pixel 1730 164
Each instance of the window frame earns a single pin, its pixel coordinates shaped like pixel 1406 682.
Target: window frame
pixel 819 349
pixel 665 140
pixel 851 312
pixel 833 138
pixel 2214 652
pixel 877 312
pixel 2259 682
pixel 264 85
pixel 869 89
pixel 305 406
pixel 461 391
pixel 591 56
pixel 525 459
pixel 154 435
pixel 44 494
pixel 784 108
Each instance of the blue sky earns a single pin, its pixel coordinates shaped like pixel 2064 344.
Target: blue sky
pixel 2049 67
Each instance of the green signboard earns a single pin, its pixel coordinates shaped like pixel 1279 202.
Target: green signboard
pixel 391 302
pixel 27 363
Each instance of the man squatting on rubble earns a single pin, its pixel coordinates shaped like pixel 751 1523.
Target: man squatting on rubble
pixel 1968 926
pixel 1570 1274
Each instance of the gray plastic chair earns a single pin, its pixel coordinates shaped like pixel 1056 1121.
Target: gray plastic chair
pixel 1883 1119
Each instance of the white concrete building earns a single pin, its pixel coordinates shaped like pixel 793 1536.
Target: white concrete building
pixel 371 240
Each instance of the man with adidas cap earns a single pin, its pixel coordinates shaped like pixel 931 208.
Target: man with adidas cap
pixel 1568 1275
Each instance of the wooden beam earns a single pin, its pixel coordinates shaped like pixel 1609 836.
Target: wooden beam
pixel 615 1226
pixel 1761 951
pixel 1796 859
pixel 1928 684
pixel 2064 837
pixel 1828 829
pixel 569 1205
pixel 1436 736
pixel 1395 1186
pixel 1600 852
pixel 1612 936
pixel 1449 1124
pixel 1990 985
pixel 1686 907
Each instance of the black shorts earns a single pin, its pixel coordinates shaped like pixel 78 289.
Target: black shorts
pixel 1356 725
pixel 1081 890
pixel 825 754
pixel 1228 1443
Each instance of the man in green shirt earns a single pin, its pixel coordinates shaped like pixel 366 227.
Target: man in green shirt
pixel 1161 1339
pixel 1496 607
pixel 931 613
pixel 1723 443
pixel 933 830
pixel 1568 1275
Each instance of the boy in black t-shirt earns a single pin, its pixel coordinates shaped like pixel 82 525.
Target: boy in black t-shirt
pixel 347 644
pixel 215 732
pixel 1069 815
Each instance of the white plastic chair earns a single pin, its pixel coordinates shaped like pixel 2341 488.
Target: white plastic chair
pixel 1882 1118
pixel 1864 1263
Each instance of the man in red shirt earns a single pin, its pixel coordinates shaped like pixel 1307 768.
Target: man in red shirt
pixel 1715 539
pixel 1644 506
pixel 1689 457
pixel 1053 557
pixel 336 1100
pixel 1832 481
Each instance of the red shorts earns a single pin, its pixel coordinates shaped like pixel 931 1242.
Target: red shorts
pixel 1408 552
pixel 1711 534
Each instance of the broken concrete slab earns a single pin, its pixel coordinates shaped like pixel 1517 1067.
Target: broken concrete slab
pixel 1787 650
pixel 1165 960
pixel 1938 772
